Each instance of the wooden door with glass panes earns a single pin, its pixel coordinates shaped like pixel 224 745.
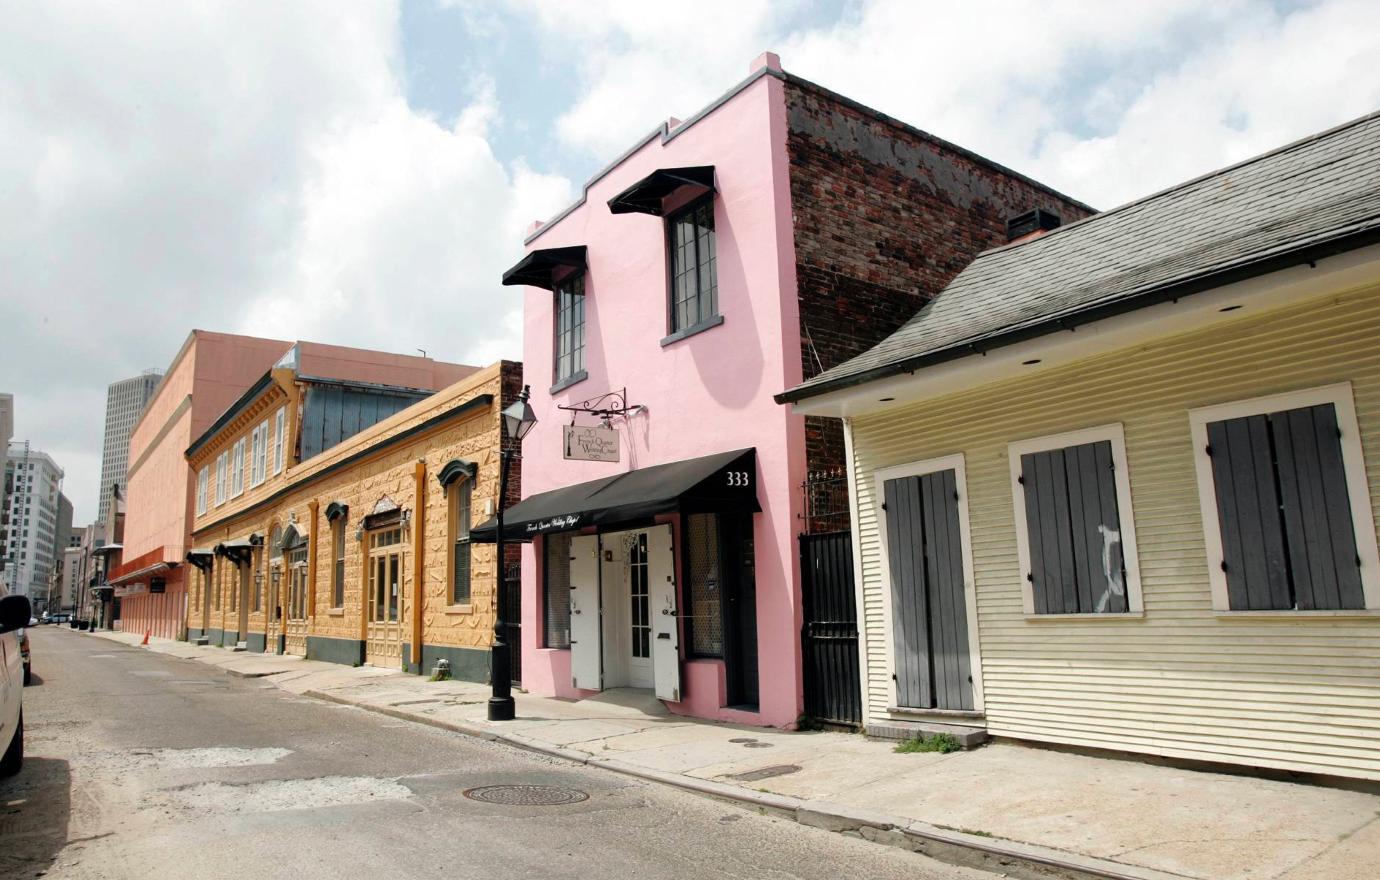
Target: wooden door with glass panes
pixel 385 598
pixel 296 641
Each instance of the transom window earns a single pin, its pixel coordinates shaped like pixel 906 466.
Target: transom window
pixel 570 328
pixel 1286 506
pixel 694 282
pixel 1075 532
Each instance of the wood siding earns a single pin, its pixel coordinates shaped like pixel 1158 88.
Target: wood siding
pixel 1286 690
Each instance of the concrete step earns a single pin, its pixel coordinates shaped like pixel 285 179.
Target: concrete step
pixel 240 646
pixel 968 736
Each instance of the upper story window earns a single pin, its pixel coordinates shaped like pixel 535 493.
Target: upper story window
pixel 570 328
pixel 237 468
pixel 280 435
pixel 222 464
pixel 694 282
pixel 258 467
pixel 202 479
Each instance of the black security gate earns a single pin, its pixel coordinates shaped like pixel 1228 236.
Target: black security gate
pixel 829 639
pixel 512 619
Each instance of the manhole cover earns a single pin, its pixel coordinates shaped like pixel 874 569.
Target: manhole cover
pixel 526 795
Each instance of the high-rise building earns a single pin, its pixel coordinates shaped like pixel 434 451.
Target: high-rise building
pixel 124 403
pixel 6 432
pixel 35 483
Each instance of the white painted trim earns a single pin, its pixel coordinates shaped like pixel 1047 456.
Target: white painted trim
pixel 859 594
pixel 1114 433
pixel 1353 464
pixel 955 463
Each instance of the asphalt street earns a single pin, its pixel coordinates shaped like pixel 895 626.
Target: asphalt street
pixel 145 766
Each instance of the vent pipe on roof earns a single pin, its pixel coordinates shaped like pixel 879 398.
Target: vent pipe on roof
pixel 1031 224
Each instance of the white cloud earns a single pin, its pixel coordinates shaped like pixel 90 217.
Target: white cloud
pixel 233 166
pixel 1107 101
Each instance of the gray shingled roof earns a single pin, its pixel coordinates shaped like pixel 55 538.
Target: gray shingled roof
pixel 1303 201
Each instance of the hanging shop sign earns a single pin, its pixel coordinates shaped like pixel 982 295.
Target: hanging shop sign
pixel 590 443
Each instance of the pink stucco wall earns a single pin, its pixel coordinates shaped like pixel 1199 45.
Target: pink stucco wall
pixel 709 393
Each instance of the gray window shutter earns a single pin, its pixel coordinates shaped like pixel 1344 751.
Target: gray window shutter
pixel 1076 560
pixel 1288 541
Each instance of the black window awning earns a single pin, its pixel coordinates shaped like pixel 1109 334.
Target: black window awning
pixel 648 195
pixel 721 483
pixel 546 267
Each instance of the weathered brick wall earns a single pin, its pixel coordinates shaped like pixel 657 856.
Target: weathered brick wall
pixel 885 216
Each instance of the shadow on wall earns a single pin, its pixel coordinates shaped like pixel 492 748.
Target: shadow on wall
pixel 35 810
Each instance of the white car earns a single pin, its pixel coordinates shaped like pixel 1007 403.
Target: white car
pixel 14 616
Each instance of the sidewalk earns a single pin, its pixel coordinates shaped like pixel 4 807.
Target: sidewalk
pixel 1004 807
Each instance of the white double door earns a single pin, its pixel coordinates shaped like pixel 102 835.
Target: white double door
pixel 624 619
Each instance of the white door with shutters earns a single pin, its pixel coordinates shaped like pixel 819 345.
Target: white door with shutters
pixel 665 615
pixel 586 637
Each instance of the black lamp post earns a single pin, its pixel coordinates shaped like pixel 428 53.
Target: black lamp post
pixel 518 419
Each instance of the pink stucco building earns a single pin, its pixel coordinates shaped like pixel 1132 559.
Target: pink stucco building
pixel 722 259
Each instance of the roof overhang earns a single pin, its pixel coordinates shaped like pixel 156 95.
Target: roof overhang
pixel 546 267
pixel 141 573
pixel 720 483
pixel 107 549
pixel 649 195
pixel 1058 346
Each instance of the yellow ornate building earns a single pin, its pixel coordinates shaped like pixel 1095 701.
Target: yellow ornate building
pixel 358 553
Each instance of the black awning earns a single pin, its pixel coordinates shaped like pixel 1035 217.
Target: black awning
pixel 721 483
pixel 647 195
pixel 545 267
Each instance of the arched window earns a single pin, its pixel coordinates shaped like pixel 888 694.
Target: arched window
pixel 461 493
pixel 338 515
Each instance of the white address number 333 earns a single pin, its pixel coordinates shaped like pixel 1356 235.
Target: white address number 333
pixel 737 478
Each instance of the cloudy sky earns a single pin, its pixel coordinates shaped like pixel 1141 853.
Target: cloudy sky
pixel 361 172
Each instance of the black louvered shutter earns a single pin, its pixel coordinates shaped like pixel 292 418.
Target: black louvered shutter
pixel 1288 541
pixel 1076 561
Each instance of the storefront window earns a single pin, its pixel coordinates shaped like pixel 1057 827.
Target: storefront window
pixel 557 591
pixel 705 585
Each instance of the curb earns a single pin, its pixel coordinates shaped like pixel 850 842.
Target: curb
pixel 1010 858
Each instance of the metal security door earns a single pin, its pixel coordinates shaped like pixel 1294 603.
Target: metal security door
pixel 929 615
pixel 511 599
pixel 829 638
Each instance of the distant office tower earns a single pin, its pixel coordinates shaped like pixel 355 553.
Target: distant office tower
pixel 35 483
pixel 6 432
pixel 124 403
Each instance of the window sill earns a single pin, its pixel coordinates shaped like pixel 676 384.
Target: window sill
pixel 1087 615
pixel 336 612
pixel 706 324
pixel 1286 615
pixel 467 608
pixel 572 379
pixel 948 714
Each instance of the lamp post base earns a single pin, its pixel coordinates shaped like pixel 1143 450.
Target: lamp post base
pixel 500 669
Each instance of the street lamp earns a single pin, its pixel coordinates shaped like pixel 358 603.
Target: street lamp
pixel 518 420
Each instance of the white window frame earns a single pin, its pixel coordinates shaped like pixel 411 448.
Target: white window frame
pixel 280 435
pixel 203 477
pixel 258 471
pixel 955 463
pixel 237 469
pixel 222 466
pixel 1116 434
pixel 1357 487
